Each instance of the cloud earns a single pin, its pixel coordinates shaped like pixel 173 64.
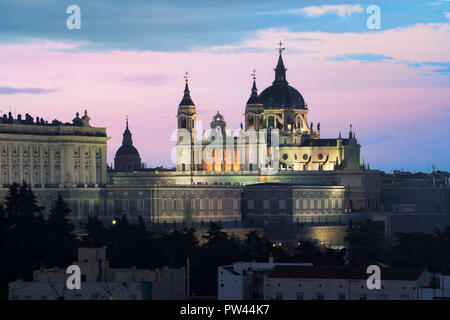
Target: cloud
pixel 342 10
pixel 439 67
pixel 367 57
pixel 437 3
pixel 447 15
pixel 9 90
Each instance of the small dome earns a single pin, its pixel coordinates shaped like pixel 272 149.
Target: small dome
pixel 281 95
pixel 127 150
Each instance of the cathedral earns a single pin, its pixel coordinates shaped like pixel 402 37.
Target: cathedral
pixel 277 136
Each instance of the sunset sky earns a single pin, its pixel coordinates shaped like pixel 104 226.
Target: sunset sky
pixel 129 58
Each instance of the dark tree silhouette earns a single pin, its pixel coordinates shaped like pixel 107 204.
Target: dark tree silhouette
pixel 365 242
pixel 27 248
pixel 63 242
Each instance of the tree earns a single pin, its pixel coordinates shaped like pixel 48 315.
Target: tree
pixel 96 234
pixel 365 242
pixel 62 240
pixel 4 239
pixel 420 250
pixel 27 247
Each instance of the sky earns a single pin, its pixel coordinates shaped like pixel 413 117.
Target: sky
pixel 129 58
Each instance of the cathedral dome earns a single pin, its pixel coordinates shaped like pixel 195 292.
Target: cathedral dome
pixel 280 95
pixel 127 157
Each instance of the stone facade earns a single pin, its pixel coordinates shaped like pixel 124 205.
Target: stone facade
pixel 52 155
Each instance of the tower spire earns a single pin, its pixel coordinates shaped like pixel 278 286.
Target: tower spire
pixel 280 70
pixel 186 101
pixel 127 135
pixel 254 98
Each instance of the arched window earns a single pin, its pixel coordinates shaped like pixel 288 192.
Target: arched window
pixel 251 124
pixel 183 123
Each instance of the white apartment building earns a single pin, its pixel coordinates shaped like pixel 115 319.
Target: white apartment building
pixel 245 280
pixel 343 283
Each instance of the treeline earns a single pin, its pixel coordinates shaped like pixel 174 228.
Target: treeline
pixel 29 241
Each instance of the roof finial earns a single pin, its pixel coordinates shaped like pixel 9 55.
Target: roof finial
pixel 281 49
pixel 127 121
pixel 186 76
pixel 254 74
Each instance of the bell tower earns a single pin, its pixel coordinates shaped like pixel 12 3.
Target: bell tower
pixel 254 109
pixel 186 117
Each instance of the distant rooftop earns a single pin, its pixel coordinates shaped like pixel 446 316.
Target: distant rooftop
pixel 39 126
pixel 342 272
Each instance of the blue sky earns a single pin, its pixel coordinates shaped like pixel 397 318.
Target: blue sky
pixel 188 25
